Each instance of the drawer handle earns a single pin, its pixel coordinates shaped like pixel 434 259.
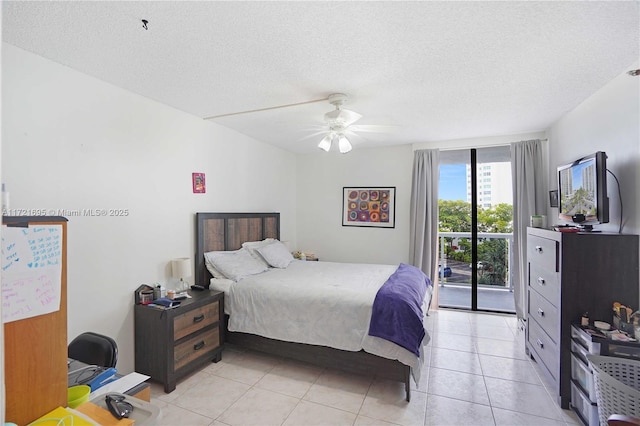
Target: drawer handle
pixel 541 281
pixel 198 318
pixel 540 312
pixel 198 346
pixel 539 249
pixel 540 344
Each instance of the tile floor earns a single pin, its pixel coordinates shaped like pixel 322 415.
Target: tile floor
pixel 478 374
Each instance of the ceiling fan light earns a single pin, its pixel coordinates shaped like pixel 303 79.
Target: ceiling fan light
pixel 325 143
pixel 343 144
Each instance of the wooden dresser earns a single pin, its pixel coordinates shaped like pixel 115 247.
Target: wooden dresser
pixel 171 343
pixel 570 274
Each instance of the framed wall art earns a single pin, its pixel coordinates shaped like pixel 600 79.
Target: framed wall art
pixel 198 183
pixel 553 198
pixel 369 206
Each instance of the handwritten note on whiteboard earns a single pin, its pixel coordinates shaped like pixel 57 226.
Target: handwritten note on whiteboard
pixel 31 271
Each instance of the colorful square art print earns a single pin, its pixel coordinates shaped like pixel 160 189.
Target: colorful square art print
pixel 369 206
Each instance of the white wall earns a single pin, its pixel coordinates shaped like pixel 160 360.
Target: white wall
pixel 70 141
pixel 320 180
pixel 609 121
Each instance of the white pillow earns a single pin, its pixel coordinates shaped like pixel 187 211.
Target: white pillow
pixel 212 269
pixel 253 246
pixel 276 254
pixel 236 265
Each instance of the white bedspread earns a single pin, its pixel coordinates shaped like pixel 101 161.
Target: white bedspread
pixel 319 303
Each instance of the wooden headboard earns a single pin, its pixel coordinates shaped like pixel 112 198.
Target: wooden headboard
pixel 227 231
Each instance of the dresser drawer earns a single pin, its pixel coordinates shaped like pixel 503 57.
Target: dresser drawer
pixel 543 252
pixel 544 347
pixel 588 412
pixel 581 343
pixel 195 347
pixel 545 314
pixel 582 375
pixel 545 282
pixel 196 319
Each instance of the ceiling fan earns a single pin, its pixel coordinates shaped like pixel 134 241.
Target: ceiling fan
pixel 337 121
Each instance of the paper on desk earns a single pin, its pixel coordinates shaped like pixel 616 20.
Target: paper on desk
pixel 121 385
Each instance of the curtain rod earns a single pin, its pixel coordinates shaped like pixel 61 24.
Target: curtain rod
pixel 486 146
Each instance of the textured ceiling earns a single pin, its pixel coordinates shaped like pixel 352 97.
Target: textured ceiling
pixel 416 71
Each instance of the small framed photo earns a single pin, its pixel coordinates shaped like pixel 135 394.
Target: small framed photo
pixel 369 206
pixel 553 198
pixel 199 186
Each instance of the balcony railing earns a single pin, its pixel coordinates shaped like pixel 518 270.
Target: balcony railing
pixel 461 271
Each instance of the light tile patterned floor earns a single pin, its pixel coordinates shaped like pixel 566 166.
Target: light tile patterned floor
pixel 477 373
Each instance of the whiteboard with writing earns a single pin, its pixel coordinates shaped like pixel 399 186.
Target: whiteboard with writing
pixel 31 271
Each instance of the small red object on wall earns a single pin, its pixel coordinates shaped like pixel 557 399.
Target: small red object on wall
pixel 198 183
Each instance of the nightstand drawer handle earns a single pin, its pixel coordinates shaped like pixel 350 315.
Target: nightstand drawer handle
pixel 198 318
pixel 540 344
pixel 198 346
pixel 540 280
pixel 539 249
pixel 540 312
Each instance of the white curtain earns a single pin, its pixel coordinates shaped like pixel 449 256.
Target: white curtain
pixel 529 198
pixel 423 229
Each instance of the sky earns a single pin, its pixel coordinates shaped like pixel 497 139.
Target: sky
pixel 576 171
pixel 453 182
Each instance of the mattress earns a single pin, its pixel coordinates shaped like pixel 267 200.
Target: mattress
pixel 318 303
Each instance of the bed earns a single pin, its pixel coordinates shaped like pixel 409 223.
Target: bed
pixel 226 232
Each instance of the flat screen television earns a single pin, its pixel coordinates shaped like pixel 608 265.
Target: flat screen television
pixel 582 190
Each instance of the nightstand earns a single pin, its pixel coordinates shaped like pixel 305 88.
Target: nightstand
pixel 171 343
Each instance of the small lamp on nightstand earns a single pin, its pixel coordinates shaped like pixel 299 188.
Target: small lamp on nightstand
pixel 181 270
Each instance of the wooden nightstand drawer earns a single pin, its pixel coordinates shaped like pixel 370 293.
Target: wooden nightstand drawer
pixel 196 347
pixel 194 320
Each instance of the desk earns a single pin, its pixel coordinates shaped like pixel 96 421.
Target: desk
pixel 143 413
pixel 141 391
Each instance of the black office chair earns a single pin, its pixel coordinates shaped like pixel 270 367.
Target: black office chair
pixel 94 349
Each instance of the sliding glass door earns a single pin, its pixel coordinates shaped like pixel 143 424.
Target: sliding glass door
pixel 475 214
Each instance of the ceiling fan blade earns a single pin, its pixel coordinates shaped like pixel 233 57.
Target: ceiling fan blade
pixel 315 135
pixel 350 117
pixel 373 128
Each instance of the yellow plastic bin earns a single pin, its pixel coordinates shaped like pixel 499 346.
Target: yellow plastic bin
pixel 76 395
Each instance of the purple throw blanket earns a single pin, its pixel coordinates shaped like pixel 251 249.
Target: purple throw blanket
pixel 397 309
